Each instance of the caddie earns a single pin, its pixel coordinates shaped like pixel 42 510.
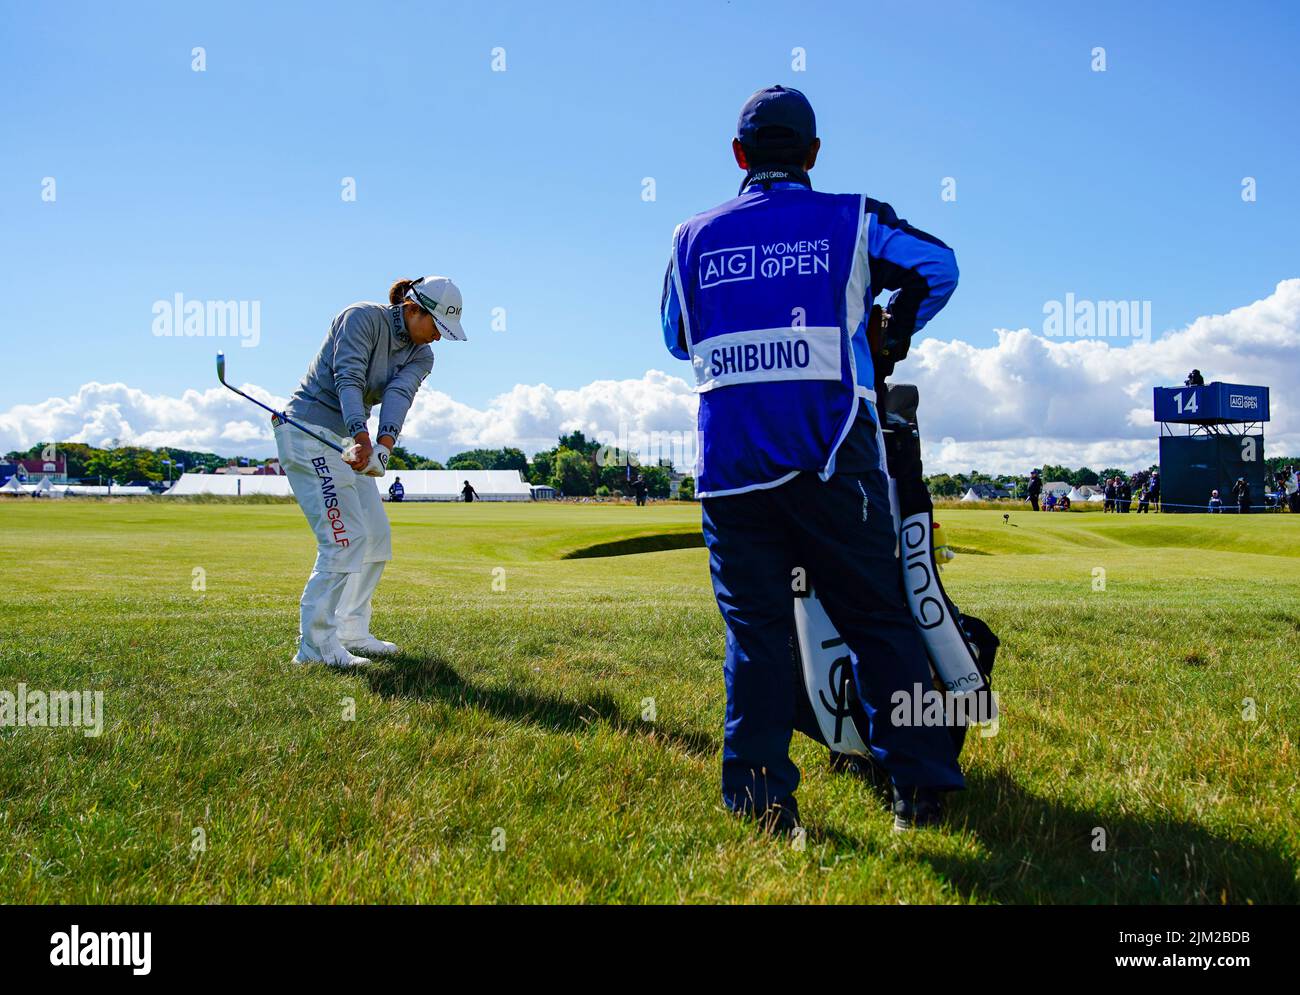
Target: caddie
pixel 372 354
pixel 768 296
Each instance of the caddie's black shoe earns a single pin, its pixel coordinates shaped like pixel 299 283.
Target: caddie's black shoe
pixel 917 808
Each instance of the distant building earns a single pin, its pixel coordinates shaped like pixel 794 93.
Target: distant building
pixel 56 469
pixel 988 492
pixel 1057 487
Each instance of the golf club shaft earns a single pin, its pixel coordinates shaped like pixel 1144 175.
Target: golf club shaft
pixel 221 375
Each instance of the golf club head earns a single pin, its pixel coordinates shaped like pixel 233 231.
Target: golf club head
pixel 221 367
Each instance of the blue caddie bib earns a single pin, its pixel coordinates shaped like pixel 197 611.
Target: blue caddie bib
pixel 773 289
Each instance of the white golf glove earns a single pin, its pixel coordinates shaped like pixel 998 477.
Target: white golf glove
pixel 378 459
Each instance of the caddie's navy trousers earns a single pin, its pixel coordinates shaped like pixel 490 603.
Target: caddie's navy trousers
pixel 842 534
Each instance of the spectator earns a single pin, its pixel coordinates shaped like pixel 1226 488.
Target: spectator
pixel 1125 496
pixel 1144 496
pixel 640 488
pixel 1216 502
pixel 1065 502
pixel 1194 379
pixel 397 491
pixel 1293 489
pixel 1035 488
pixel 1241 491
pixel 1272 491
pixel 468 494
pixel 1153 489
pixel 1050 502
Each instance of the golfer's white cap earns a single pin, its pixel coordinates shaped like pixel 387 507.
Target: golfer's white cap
pixel 441 298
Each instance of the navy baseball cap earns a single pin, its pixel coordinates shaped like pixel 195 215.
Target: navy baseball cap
pixel 777 107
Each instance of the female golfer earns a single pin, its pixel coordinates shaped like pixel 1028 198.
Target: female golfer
pixel 373 354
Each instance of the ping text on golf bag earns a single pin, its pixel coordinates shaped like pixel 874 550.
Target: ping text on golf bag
pixel 961 647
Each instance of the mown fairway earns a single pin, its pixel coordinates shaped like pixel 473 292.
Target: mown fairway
pixel 519 713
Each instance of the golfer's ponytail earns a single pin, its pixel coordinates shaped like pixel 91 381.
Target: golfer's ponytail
pixel 397 292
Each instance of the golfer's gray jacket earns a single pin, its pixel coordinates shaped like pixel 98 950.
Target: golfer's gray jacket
pixel 367 358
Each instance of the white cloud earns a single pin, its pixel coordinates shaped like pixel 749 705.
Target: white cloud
pixel 532 416
pixel 528 416
pixel 1029 400
pixel 102 414
pixel 1023 401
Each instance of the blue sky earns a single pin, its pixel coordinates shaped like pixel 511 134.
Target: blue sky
pixel 525 185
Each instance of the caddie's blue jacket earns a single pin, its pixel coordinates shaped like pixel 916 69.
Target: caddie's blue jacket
pixel 768 296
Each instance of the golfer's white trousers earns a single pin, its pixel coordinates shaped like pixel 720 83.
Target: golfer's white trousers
pixel 353 540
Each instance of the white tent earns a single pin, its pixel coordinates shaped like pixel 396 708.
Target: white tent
pixel 970 495
pixel 420 485
pixel 1076 495
pixel 1097 497
pixel 230 484
pixel 102 490
pixel 445 485
pixel 45 489
pixel 12 486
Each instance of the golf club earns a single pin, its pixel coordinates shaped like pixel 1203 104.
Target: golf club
pixel 221 375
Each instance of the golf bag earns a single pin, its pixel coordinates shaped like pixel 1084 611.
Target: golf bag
pixel 961 647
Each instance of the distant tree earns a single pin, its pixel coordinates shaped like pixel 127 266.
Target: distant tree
pixel 542 467
pixel 943 485
pixel 615 477
pixel 1111 471
pixel 579 443
pixel 1278 463
pixel 512 459
pixel 490 459
pixel 1084 477
pixel 572 474
pixel 657 481
pixel 686 489
pixel 126 463
pixel 1051 471
pixel 412 461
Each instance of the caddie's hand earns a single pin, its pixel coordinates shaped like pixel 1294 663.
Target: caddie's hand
pixel 359 454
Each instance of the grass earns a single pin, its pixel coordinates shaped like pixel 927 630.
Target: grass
pixel 505 755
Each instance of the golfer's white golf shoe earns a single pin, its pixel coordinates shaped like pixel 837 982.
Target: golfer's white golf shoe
pixel 334 655
pixel 371 646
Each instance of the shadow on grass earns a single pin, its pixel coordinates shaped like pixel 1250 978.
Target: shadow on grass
pixel 433 679
pixel 1035 850
pixel 639 544
pixel 1041 851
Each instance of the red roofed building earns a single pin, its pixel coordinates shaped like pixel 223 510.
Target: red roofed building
pixel 34 469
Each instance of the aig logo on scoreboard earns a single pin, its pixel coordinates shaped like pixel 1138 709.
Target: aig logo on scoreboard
pixel 726 266
pixel 1243 401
